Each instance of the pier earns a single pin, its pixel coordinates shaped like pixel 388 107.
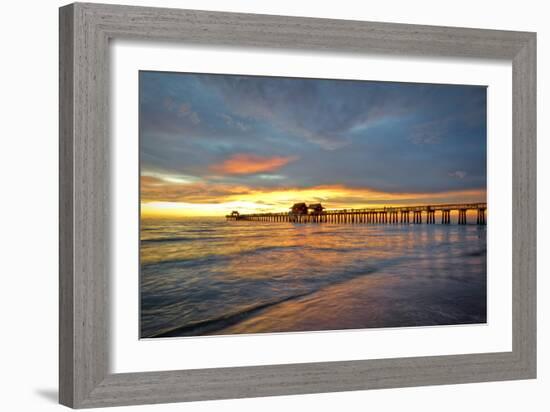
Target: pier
pixel 316 213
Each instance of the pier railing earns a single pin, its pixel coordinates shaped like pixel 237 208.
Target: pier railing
pixel 387 215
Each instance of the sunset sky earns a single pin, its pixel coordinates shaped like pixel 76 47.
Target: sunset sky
pixel 211 144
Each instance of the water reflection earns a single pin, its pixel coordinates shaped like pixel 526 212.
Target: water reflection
pixel 208 276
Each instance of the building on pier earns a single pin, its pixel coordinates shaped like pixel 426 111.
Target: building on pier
pixel 316 208
pixel 299 209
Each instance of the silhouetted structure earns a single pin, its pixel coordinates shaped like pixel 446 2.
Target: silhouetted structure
pixel 299 209
pixel 316 208
pixel 392 215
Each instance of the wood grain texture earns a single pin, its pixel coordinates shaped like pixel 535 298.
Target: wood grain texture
pixel 85 31
pixel 524 225
pixel 66 229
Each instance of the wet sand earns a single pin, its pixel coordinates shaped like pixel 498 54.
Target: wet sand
pixel 373 301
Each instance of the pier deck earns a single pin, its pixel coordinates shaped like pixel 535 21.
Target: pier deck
pixel 385 215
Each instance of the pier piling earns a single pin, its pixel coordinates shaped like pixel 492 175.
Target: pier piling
pixel 301 213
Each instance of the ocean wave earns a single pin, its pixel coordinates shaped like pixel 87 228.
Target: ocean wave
pixel 224 321
pixel 216 258
pixel 205 287
pixel 215 324
pixel 221 258
pixel 221 237
pixel 178 239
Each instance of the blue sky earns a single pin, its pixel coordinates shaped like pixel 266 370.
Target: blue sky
pixel 208 138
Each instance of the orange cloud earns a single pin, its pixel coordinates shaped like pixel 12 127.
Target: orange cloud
pixel 247 164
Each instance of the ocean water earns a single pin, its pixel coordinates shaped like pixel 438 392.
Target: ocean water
pixel 206 276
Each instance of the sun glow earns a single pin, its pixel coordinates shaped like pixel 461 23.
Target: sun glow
pixel 274 201
pixel 182 209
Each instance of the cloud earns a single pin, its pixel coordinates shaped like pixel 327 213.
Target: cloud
pixel 159 189
pixel 181 110
pixel 423 136
pixel 186 112
pixel 459 174
pixel 235 124
pixel 247 164
pixel 168 103
pixel 324 113
pixel 430 132
pixel 168 177
pixel 209 198
pixel 387 136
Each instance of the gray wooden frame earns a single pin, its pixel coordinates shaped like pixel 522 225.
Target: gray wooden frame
pixel 85 31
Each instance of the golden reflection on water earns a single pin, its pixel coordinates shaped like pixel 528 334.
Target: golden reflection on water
pixel 309 277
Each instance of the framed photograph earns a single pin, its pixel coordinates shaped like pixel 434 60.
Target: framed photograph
pixel 256 205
